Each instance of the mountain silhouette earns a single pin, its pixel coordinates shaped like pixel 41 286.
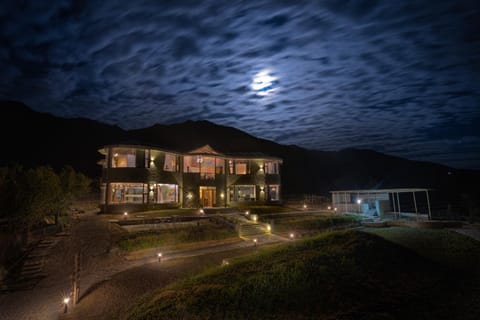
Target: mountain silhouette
pixel 32 138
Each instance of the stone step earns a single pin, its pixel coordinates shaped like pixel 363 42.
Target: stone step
pixel 32 267
pixel 249 230
pixel 30 262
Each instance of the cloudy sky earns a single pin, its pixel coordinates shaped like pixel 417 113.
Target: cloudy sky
pixel 400 77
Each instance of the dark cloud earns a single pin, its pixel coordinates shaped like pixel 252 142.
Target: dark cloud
pixel 399 77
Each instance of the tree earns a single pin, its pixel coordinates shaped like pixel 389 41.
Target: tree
pixel 74 184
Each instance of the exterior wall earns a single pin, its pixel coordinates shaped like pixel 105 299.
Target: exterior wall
pixel 149 170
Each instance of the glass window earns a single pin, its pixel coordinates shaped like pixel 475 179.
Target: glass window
pixel 219 166
pixel 167 193
pixel 274 192
pixel 123 158
pixel 207 169
pixel 271 167
pixel 192 164
pixel 170 162
pixel 241 167
pixel 127 192
pixel 245 193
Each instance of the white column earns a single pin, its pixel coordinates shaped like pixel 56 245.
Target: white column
pixel 415 203
pixel 428 204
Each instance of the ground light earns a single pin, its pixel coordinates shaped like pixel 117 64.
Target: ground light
pixel 247 212
pixel 304 206
pixel 254 218
pixel 125 215
pixel 335 209
pixel 329 208
pixel 66 300
pixel 292 235
pixel 255 242
pixel 159 255
pixel 269 228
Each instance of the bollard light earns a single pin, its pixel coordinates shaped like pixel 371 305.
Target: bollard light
pixel 329 208
pixel 292 236
pixel 247 212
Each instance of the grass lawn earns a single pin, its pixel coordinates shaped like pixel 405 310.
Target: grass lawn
pixel 445 247
pixel 309 222
pixel 337 275
pixel 172 237
pixel 165 213
pixel 261 210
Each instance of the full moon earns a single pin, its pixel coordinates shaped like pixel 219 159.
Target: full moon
pixel 263 82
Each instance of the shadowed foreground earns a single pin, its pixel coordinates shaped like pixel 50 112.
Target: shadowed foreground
pixel 340 275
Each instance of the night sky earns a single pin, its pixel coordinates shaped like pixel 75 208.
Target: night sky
pixel 400 77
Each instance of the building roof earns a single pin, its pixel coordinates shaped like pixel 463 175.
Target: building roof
pixel 393 190
pixel 206 150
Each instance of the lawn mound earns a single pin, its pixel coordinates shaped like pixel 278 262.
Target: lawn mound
pixel 339 275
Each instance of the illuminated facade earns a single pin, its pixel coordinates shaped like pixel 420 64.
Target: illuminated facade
pixel 138 178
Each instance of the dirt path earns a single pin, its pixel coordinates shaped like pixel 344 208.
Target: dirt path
pixel 113 298
pixel 90 235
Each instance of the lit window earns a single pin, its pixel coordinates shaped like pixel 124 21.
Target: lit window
pixel 191 164
pixel 241 167
pixel 207 168
pixel 167 193
pixel 244 193
pixel 123 158
pixel 271 167
pixel 127 192
pixel 170 162
pixel 274 192
pixel 219 166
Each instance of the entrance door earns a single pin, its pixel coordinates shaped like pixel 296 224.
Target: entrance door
pixel 208 196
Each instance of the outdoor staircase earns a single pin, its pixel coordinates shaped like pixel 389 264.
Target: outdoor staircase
pixel 31 271
pixel 252 230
